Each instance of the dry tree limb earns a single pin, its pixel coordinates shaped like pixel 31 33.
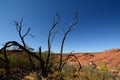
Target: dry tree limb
pixel 5 60
pixel 68 57
pixel 42 63
pixel 51 35
pixel 14 43
pixel 70 28
pixel 19 26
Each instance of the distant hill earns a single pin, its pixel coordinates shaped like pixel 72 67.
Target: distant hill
pixel 110 57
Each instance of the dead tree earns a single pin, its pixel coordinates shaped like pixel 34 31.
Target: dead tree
pixel 19 26
pixel 6 61
pixel 51 35
pixel 70 28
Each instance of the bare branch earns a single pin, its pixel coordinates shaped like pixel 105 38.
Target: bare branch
pixel 64 38
pixel 14 43
pixel 54 34
pixel 40 52
pixel 28 30
pixel 68 57
pixel 19 26
pixel 76 15
pixel 31 35
pixel 49 37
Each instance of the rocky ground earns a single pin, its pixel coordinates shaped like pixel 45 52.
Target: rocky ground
pixel 110 57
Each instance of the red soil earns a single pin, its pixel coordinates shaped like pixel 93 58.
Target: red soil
pixel 110 57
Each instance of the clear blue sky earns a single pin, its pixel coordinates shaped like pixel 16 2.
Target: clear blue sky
pixel 98 28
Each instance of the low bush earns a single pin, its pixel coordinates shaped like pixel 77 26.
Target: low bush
pixel 103 67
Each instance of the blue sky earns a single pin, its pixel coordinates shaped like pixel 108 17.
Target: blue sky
pixel 98 28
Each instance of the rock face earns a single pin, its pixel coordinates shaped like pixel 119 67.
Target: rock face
pixel 110 57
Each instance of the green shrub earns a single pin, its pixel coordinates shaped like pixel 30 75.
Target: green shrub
pixel 118 68
pixel 103 67
pixel 90 73
pixel 70 71
pixel 18 60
